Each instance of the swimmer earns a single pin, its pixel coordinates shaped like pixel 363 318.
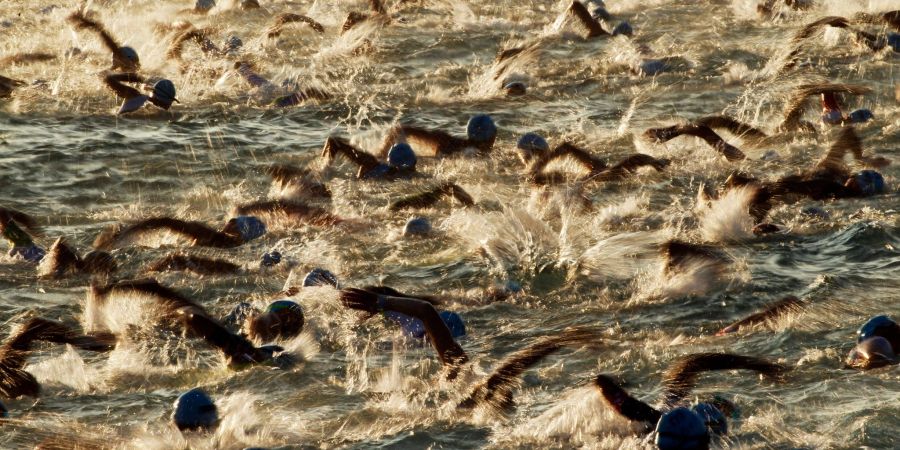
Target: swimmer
pixel 534 150
pixel 679 381
pixel 13 226
pixel 496 390
pixel 267 89
pixel 193 319
pixel 730 152
pixel 283 19
pixel 831 113
pixel 591 24
pixel 282 320
pixel 481 132
pixel 16 382
pixel 61 260
pixel 237 231
pixel 789 304
pixel 298 182
pixel 430 197
pixel 401 160
pixel 877 344
pixel 231 47
pixel 124 58
pixel 162 93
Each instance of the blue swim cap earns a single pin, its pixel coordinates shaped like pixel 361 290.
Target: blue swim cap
pixel 281 305
pixel 832 117
pixel 531 143
pixel 164 91
pixel 32 253
pixel 681 429
pixel 250 227
pixel 861 115
pixel 194 410
pixel 714 418
pixel 270 259
pixel 879 326
pixel 129 54
pixel 481 128
pixel 870 182
pixel 417 226
pixel 402 156
pixel 454 322
pixel 319 277
pixel 893 39
pixel 204 5
pixel 623 28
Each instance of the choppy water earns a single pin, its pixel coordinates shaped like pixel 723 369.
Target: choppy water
pixel 68 160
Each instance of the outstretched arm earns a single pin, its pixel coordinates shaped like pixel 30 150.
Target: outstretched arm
pixel 797 104
pixel 631 164
pixel 442 142
pixel 11 215
pixel 429 198
pixel 581 13
pixel 733 126
pixel 335 146
pixel 286 18
pixel 496 390
pixel 60 260
pixel 120 60
pixel 451 354
pixel 292 210
pixel 115 82
pixel 682 376
pixel 624 404
pixel 200 233
pixel 15 351
pixel 785 305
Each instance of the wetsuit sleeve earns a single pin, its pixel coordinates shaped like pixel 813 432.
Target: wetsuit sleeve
pixel 623 403
pixel 115 82
pixel 682 376
pixel 335 146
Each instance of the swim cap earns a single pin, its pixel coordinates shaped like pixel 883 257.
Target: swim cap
pixel 4 413
pixel 832 117
pixel 872 353
pixel 402 156
pixel 194 410
pixel 531 143
pixel 881 326
pixel 623 28
pixel 282 319
pixel 681 429
pixel 417 226
pixel 133 104
pixel 164 92
pixel 870 182
pixel 893 39
pixel 319 277
pixel 204 5
pixel 270 259
pixel 32 253
pixel 650 67
pixel 481 128
pixel 713 418
pixel 860 116
pixel 454 322
pixel 284 305
pixel 232 44
pixel 249 4
pixel 515 88
pixel 129 54
pixel 250 227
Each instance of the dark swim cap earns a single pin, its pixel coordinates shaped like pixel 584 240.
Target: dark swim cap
pixel 250 227
pixel 881 326
pixel 402 156
pixel 164 93
pixel 270 259
pixel 870 182
pixel 623 28
pixel 713 418
pixel 319 277
pixel 417 226
pixel 531 143
pixel 681 429
pixel 860 116
pixel 481 128
pixel 4 413
pixel 194 410
pixel 129 54
pixel 454 322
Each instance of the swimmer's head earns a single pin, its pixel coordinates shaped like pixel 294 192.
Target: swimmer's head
pixel 860 116
pixel 623 28
pixel 866 183
pixel 247 227
pixel 482 130
pixel 417 226
pixel 402 156
pixel 249 4
pixel 204 5
pixel 283 319
pixel 681 429
pixel 163 94
pixel 893 40
pixel 713 418
pixel 233 44
pixel 319 277
pixel 270 259
pixel 126 58
pixel 872 353
pixel 515 89
pixel 880 326
pixel 531 145
pixel 99 262
pixel 194 410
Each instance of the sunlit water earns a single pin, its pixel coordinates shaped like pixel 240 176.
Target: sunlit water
pixel 68 160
